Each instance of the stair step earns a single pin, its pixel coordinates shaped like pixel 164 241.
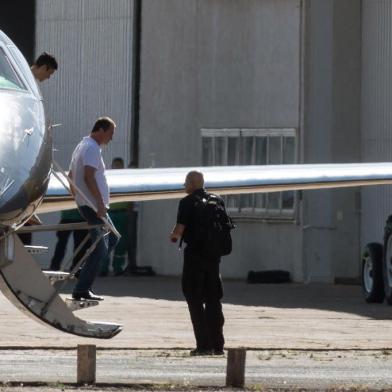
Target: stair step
pixel 36 249
pixel 55 276
pixel 105 330
pixel 77 304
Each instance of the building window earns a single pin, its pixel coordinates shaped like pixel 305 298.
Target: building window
pixel 225 147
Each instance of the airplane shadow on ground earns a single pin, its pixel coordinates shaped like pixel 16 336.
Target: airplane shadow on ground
pixel 339 298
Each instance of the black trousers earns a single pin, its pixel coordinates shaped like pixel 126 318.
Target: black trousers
pixel 203 291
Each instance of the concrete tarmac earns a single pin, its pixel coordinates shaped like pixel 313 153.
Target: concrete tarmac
pixel 297 336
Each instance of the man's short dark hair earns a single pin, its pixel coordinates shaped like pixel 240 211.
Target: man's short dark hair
pixel 104 123
pixel 118 159
pixel 46 59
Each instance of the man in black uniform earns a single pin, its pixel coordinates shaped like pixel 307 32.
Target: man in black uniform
pixel 201 281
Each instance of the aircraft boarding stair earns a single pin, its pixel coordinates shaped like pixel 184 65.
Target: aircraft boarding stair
pixel 34 292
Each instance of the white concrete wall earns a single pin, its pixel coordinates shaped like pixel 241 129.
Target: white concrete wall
pixel 376 121
pixel 216 64
pixel 332 134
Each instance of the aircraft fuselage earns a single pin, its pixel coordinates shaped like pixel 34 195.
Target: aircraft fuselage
pixel 25 141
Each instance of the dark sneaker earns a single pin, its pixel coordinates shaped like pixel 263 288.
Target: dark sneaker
pixel 198 352
pixel 86 295
pixel 218 352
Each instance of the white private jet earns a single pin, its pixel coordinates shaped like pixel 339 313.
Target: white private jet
pixel 29 184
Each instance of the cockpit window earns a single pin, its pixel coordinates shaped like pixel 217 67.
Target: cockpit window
pixel 8 77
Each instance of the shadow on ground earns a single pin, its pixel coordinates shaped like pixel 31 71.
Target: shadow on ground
pixel 340 298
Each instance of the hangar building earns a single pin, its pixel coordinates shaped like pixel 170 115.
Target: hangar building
pixel 231 82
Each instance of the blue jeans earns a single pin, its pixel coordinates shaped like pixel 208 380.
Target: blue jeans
pixel 104 246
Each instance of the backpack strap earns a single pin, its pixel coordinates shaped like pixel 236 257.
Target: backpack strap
pixel 199 200
pixel 180 244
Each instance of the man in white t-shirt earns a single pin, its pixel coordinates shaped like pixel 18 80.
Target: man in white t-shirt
pixel 87 171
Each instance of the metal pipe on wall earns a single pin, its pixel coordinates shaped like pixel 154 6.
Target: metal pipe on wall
pixel 136 62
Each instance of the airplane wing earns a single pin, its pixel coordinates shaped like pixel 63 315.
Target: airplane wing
pixel 167 183
pixel 35 294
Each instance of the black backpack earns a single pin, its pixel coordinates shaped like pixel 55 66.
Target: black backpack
pixel 212 226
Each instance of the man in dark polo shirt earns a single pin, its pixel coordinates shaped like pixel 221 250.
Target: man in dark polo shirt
pixel 201 281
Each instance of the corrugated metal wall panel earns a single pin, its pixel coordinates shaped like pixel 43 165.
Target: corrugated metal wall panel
pixel 376 121
pixel 92 40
